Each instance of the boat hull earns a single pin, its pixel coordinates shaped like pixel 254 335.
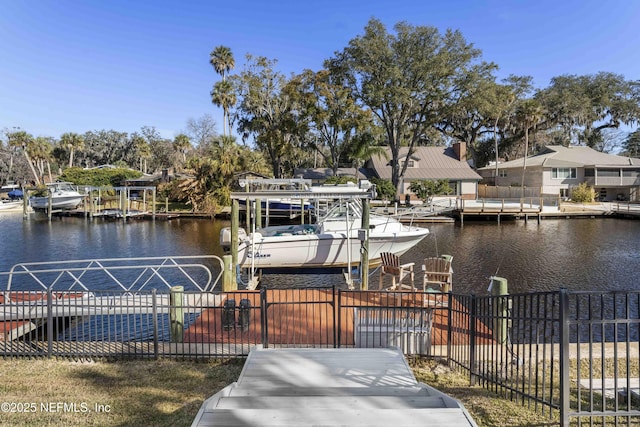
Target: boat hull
pixel 57 202
pixel 11 205
pixel 331 250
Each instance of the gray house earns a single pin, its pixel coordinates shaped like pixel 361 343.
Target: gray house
pixel 433 164
pixel 557 169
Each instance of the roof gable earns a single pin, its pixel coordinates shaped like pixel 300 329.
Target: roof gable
pixel 430 163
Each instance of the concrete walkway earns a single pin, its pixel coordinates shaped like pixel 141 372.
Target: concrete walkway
pixel 330 387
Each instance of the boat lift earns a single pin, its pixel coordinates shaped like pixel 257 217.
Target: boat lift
pixel 365 191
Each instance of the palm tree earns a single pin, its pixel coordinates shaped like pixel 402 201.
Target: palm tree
pixel 221 58
pixel 143 151
pixel 529 114
pixel 181 144
pixel 40 152
pixel 223 96
pixel 72 141
pixel 24 141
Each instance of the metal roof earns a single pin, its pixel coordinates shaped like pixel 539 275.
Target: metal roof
pixel 432 163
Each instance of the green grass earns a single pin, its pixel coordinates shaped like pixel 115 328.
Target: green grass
pixel 130 393
pixel 170 392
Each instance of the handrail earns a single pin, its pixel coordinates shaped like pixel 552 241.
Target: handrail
pixel 144 271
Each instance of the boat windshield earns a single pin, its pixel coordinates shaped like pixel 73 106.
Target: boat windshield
pixel 61 186
pixel 339 209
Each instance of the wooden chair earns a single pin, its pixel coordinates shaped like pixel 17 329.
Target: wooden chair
pixel 437 271
pixel 391 266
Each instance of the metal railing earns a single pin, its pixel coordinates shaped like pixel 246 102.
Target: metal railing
pixel 128 274
pixel 574 356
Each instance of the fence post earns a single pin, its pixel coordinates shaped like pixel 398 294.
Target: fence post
pixel 263 317
pixel 472 340
pixel 449 329
pixel 339 310
pixel 176 313
pixel 154 309
pixel 564 358
pixel 49 323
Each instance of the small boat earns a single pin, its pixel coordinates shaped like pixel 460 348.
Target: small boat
pixel 15 194
pixel 334 241
pixel 6 205
pixel 63 195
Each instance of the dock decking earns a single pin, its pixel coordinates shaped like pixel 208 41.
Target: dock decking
pixel 329 387
pixel 288 307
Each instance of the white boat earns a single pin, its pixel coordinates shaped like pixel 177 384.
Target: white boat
pixel 332 242
pixel 64 195
pixel 6 205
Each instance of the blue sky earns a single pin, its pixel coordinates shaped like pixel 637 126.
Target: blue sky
pixel 75 66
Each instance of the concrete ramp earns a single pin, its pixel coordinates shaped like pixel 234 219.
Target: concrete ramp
pixel 329 387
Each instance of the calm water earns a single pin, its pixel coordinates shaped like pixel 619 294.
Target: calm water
pixel 585 254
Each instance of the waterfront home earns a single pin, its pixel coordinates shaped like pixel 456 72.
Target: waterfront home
pixel 432 164
pixel 556 170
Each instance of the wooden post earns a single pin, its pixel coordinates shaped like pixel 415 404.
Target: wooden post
pixel 235 223
pixel 50 204
pixel 228 278
pixel 25 204
pixel 258 214
pixel 499 290
pixel 153 203
pixel 123 208
pixel 364 250
pixel 176 313
pixel 166 205
pixel 302 210
pixel 247 215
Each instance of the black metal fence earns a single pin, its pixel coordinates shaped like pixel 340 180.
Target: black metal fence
pixel 571 355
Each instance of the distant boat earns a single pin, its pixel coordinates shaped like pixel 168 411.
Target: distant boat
pixel 10 185
pixel 10 205
pixel 63 196
pixel 15 194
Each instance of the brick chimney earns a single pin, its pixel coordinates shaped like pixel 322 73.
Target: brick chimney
pixel 460 148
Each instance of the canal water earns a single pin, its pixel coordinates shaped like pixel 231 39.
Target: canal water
pixel 577 254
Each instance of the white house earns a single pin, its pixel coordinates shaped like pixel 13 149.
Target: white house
pixel 557 169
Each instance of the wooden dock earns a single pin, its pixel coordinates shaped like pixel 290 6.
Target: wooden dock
pixel 287 309
pixel 329 387
pixel 22 312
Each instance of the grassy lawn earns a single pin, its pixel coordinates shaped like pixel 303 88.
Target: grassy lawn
pixel 169 393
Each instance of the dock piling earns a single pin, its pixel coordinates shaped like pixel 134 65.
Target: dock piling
pixel 176 314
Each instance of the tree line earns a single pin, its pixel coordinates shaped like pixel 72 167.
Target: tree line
pixel 386 91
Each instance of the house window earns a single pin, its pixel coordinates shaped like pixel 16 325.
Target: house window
pixel 609 173
pixel 563 173
pixel 502 173
pixel 410 164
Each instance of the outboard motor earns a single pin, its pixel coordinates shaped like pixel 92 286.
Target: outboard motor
pixel 225 237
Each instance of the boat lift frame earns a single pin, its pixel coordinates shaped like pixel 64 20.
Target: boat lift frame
pixel 364 192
